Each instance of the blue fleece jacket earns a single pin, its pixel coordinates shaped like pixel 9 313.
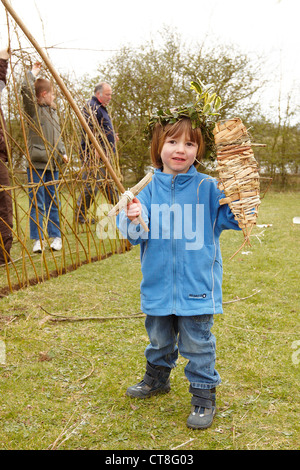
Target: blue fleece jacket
pixel 180 255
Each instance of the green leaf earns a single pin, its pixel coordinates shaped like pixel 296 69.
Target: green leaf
pixel 196 86
pixel 206 108
pixel 218 103
pixel 212 97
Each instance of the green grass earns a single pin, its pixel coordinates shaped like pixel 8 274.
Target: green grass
pixel 63 384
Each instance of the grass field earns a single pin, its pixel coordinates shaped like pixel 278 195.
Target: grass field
pixel 63 383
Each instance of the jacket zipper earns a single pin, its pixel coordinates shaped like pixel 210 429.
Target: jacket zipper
pixel 173 246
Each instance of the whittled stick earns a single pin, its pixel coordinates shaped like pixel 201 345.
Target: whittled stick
pixel 127 197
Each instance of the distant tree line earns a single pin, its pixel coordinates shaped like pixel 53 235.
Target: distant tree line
pixel 153 76
pixel 156 75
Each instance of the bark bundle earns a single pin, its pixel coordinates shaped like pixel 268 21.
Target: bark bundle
pixel 238 172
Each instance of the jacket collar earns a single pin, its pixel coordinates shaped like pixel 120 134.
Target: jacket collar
pixel 96 101
pixel 44 105
pixel 180 180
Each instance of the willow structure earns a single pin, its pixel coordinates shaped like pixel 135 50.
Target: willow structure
pixel 81 243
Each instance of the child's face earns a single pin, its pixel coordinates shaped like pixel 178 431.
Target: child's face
pixel 178 154
pixel 48 97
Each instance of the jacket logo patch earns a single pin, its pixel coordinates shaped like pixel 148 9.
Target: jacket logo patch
pixel 197 296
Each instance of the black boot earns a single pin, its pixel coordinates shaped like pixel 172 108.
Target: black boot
pixel 203 408
pixel 156 380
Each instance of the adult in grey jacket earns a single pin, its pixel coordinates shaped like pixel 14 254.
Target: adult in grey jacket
pixel 46 154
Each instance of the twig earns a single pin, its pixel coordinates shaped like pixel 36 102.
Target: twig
pixel 259 332
pixel 67 432
pixel 61 318
pixel 184 443
pixel 54 445
pixel 241 298
pixel 92 365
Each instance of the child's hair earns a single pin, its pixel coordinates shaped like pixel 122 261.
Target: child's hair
pixel 160 133
pixel 40 85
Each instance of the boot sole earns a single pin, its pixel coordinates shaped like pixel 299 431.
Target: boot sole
pixel 204 426
pixel 139 394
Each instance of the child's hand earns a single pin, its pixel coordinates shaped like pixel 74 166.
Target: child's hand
pixel 36 68
pixel 134 209
pixel 65 158
pixel 4 54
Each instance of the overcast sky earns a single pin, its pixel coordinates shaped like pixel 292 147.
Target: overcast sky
pixel 92 27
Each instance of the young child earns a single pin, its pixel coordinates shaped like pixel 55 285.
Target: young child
pixel 47 152
pixel 6 209
pixel 181 266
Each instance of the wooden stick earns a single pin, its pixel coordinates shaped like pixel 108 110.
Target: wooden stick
pixel 62 318
pixel 65 91
pixel 134 190
pixel 70 99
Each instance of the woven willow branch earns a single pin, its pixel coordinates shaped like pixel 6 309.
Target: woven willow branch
pixel 81 243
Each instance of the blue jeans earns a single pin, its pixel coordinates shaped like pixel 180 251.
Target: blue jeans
pixel 46 204
pixel 192 337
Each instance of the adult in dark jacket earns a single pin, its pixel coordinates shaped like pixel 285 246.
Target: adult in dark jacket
pixel 6 210
pixel 99 121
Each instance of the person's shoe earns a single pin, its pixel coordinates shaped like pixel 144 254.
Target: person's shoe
pixel 156 380
pixel 203 408
pixel 38 247
pixel 56 245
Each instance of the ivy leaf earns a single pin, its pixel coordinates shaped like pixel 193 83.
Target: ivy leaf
pixel 197 87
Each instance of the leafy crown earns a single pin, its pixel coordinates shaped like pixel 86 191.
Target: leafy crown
pixel 202 113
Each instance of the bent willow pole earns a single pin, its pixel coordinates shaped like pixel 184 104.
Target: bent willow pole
pixel 69 97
